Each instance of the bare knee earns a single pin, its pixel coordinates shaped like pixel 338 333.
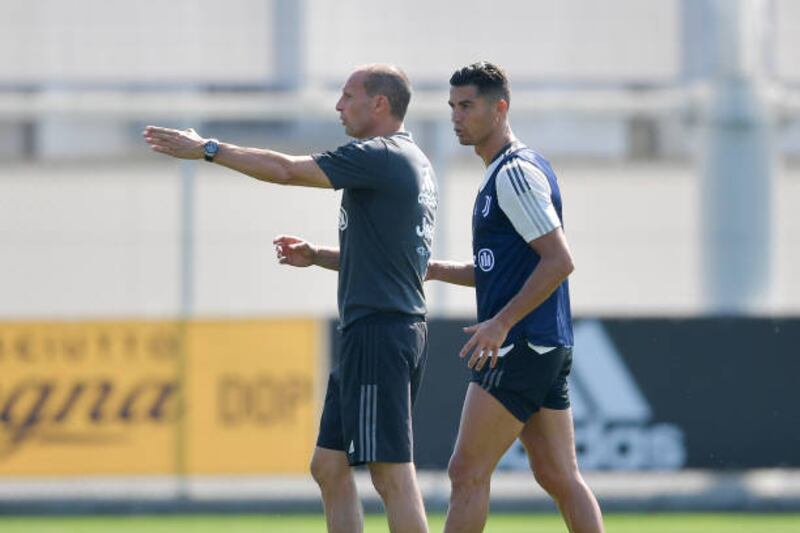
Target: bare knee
pixel 391 478
pixel 558 482
pixel 329 471
pixel 466 474
pixel 384 483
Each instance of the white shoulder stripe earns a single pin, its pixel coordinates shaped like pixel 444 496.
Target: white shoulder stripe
pixel 523 193
pixel 534 176
pixel 529 201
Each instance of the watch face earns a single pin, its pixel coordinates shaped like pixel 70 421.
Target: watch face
pixel 211 147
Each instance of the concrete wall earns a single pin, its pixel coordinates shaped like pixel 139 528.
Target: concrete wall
pixel 199 41
pixel 103 239
pixel 145 42
pixel 537 40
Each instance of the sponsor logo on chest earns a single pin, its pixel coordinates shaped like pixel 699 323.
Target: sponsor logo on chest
pixel 484 260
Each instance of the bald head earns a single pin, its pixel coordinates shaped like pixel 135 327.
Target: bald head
pixel 388 81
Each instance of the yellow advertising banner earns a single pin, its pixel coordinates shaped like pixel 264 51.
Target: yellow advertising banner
pixel 252 389
pixel 158 397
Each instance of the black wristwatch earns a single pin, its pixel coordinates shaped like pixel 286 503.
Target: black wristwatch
pixel 210 149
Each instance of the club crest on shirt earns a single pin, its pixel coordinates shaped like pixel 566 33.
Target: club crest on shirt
pixel 342 219
pixel 486 206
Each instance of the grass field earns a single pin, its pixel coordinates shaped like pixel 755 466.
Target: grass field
pixel 498 523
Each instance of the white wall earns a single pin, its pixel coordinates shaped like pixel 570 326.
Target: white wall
pixel 146 41
pixel 188 41
pixel 101 240
pixel 536 40
pixel 152 41
pixel 785 34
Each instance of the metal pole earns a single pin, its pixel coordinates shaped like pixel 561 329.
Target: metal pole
pixel 436 136
pixel 737 166
pixel 186 284
pixel 289 43
pixel 188 169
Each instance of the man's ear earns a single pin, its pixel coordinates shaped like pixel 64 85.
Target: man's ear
pixel 381 104
pixel 502 106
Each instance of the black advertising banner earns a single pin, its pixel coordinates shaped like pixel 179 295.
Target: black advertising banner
pixel 649 394
pixel 731 385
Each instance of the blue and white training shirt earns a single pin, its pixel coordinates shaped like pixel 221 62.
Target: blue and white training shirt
pixel 519 201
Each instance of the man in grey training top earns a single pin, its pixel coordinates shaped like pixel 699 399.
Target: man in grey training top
pixel 386 224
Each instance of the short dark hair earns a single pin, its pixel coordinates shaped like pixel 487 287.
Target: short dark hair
pixel 490 80
pixel 391 82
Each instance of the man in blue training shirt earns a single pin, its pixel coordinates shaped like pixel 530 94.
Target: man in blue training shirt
pixel 386 225
pixel 519 270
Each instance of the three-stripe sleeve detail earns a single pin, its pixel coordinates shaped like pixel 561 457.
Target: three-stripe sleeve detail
pixel 529 201
pixel 524 195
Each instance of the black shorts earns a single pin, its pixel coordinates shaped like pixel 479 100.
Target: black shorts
pixel 367 412
pixel 524 381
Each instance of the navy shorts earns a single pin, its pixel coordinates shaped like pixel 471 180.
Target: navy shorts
pixel 367 411
pixel 524 380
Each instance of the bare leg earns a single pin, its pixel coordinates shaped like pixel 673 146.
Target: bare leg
pixel 486 431
pixel 334 476
pixel 549 439
pixel 397 485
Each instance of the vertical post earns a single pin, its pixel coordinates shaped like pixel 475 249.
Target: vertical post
pixel 187 239
pixel 436 132
pixel 737 166
pixel 188 170
pixel 289 43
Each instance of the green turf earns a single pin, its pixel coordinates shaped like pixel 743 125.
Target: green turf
pixel 498 523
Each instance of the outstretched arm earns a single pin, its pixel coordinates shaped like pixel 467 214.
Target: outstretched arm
pixel 453 272
pixel 296 252
pixel 264 165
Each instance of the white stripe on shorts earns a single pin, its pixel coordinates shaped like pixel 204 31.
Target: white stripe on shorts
pixel 368 423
